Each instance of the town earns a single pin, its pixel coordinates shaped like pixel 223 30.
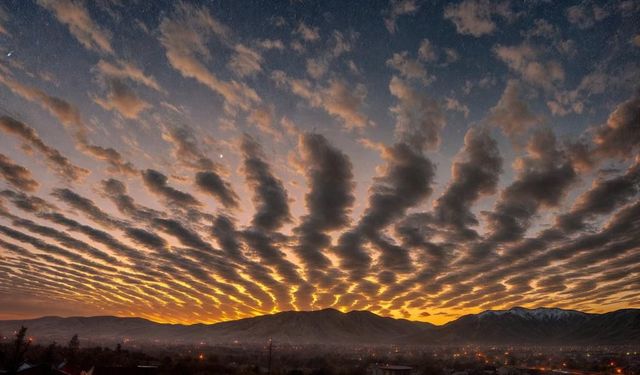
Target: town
pixel 22 354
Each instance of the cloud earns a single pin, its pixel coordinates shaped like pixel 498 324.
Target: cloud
pixel 620 136
pixel 328 201
pixel 83 264
pixel 86 206
pixel 543 29
pixel 116 191
pixel 65 240
pixel 586 15
pixel 211 183
pixel 512 114
pixel 409 68
pixel 419 118
pixel 76 16
pixel 126 70
pixel 308 33
pixel 404 182
pixel 184 35
pixel 544 176
pixel 337 98
pixel 426 51
pixel 116 161
pixel 156 182
pixel 263 116
pixel 527 62
pixel 186 147
pixel 474 173
pixel 209 176
pixel 270 198
pixel 270 44
pixel 17 175
pixel 574 101
pixel 97 235
pixel 123 99
pixel 4 17
pixel 453 104
pixel 245 61
pixel 69 116
pixel 604 196
pixel 225 232
pixel 186 236
pixel 476 17
pixel 178 233
pixel 396 9
pixel 56 161
pixel 27 203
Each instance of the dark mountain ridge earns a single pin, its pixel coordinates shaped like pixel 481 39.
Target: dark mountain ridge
pixel 542 326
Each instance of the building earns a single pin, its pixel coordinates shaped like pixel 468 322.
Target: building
pixel 387 369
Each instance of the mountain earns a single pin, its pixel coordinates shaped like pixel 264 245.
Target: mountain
pixel 327 326
pixel 517 325
pixel 542 326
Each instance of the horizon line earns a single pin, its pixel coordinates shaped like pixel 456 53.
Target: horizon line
pixel 312 311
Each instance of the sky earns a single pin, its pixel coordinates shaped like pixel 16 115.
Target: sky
pixel 193 162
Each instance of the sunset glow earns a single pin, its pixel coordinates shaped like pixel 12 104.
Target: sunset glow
pixel 187 162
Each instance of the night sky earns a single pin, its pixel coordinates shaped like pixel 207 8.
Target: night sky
pixel 198 162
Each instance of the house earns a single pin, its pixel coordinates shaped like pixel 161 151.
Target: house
pixel 387 369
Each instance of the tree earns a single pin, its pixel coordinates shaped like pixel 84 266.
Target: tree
pixel 72 350
pixel 21 345
pixel 49 357
pixel 74 343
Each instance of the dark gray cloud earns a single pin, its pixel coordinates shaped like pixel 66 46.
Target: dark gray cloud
pixel 56 161
pixel 620 136
pixel 17 175
pixel 210 182
pixel 270 198
pixel 543 179
pixel 156 182
pixel 99 236
pixel 604 196
pixel 117 162
pixel 419 118
pixel 116 191
pixel 405 182
pixel 185 235
pixel 186 148
pixel 328 201
pixel 86 206
pixel 209 178
pixel 83 264
pixel 475 173
pixel 65 240
pixel 70 116
pixel 28 203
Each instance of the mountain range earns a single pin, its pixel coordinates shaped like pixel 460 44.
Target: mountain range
pixel 541 326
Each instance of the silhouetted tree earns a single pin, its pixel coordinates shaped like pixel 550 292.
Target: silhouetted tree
pixel 74 343
pixel 48 358
pixel 72 350
pixel 20 347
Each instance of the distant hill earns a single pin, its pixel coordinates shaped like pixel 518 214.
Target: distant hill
pixel 543 326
